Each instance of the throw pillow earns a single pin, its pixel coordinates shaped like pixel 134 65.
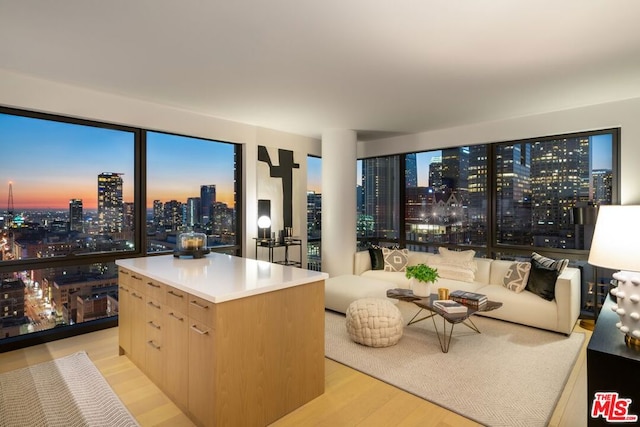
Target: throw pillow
pixel 516 277
pixel 457 255
pixel 542 280
pixel 557 264
pixel 377 260
pixel 452 268
pixel 395 259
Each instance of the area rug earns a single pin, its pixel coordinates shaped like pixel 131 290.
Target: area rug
pixel 64 392
pixel 508 375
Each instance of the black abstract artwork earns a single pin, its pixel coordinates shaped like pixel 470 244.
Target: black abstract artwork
pixel 284 171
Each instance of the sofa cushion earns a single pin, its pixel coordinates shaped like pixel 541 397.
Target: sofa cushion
pixel 454 267
pixel 542 280
pixel 395 259
pixel 556 264
pixel 516 277
pixel 457 255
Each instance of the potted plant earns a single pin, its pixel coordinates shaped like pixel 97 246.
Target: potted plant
pixel 421 276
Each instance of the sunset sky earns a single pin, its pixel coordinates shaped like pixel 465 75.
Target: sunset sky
pixel 70 158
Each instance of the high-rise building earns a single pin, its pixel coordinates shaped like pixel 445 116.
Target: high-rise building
pixel 601 180
pixel 381 182
pixel 128 216
pixel 411 170
pixel 110 208
pixel 207 200
pixel 76 222
pixel 157 215
pixel 513 189
pixel 314 215
pixel 172 215
pixel 192 211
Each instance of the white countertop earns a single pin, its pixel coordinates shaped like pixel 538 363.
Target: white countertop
pixel 218 277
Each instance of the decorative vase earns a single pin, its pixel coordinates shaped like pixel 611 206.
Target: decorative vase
pixel 420 289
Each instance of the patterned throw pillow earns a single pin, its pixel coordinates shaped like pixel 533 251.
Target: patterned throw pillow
pixel 516 277
pixel 395 259
pixel 555 264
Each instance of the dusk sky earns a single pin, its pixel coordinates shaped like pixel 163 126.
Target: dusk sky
pixel 70 158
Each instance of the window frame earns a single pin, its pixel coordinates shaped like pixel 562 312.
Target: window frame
pixel 140 237
pixel 492 248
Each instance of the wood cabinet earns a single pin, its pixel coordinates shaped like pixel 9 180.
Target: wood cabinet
pixel 175 335
pixel 245 361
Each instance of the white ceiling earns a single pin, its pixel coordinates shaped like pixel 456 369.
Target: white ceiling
pixel 302 66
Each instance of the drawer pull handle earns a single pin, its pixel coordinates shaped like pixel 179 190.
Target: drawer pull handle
pixel 176 317
pixel 154 305
pixel 194 302
pixel 176 295
pixel 136 277
pixel 133 294
pixel 125 272
pixel 152 324
pixel 124 289
pixel 153 284
pixel 154 345
pixel 195 328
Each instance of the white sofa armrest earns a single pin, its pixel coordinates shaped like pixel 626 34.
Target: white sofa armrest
pixel 361 262
pixel 567 295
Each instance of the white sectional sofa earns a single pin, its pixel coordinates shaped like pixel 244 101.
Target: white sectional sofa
pixel 527 308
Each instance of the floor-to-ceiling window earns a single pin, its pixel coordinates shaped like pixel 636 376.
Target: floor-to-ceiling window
pixel 191 186
pixel 74 198
pixel 500 199
pixel 314 212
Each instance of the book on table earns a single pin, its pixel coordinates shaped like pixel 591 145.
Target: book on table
pixel 472 299
pixel 450 306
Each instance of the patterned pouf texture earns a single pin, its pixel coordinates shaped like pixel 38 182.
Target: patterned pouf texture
pixel 374 322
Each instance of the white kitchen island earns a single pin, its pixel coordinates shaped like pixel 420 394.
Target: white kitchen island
pixel 233 341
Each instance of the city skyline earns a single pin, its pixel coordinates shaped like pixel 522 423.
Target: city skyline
pixel 77 154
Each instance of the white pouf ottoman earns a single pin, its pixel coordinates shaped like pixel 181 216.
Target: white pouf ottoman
pixel 340 291
pixel 374 322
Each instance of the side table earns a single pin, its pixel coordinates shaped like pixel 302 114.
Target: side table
pixel 272 244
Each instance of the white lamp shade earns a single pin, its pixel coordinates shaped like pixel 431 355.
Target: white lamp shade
pixel 616 239
pixel 264 222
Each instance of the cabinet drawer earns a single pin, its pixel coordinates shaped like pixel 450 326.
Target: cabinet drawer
pixel 153 310
pixel 136 282
pixel 202 310
pixel 176 299
pixel 154 289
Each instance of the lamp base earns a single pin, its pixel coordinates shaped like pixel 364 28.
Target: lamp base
pixel 632 342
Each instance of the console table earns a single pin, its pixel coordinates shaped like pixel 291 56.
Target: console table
pixel 232 341
pixel 612 367
pixel 272 244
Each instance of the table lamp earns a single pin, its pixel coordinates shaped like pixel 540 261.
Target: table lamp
pixel 616 245
pixel 264 222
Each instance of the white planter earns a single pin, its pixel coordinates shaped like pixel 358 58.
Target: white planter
pixel 420 289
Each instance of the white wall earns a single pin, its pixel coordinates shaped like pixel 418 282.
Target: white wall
pixel 28 93
pixel 623 114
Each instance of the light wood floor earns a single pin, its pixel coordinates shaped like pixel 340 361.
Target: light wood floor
pixel 351 398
